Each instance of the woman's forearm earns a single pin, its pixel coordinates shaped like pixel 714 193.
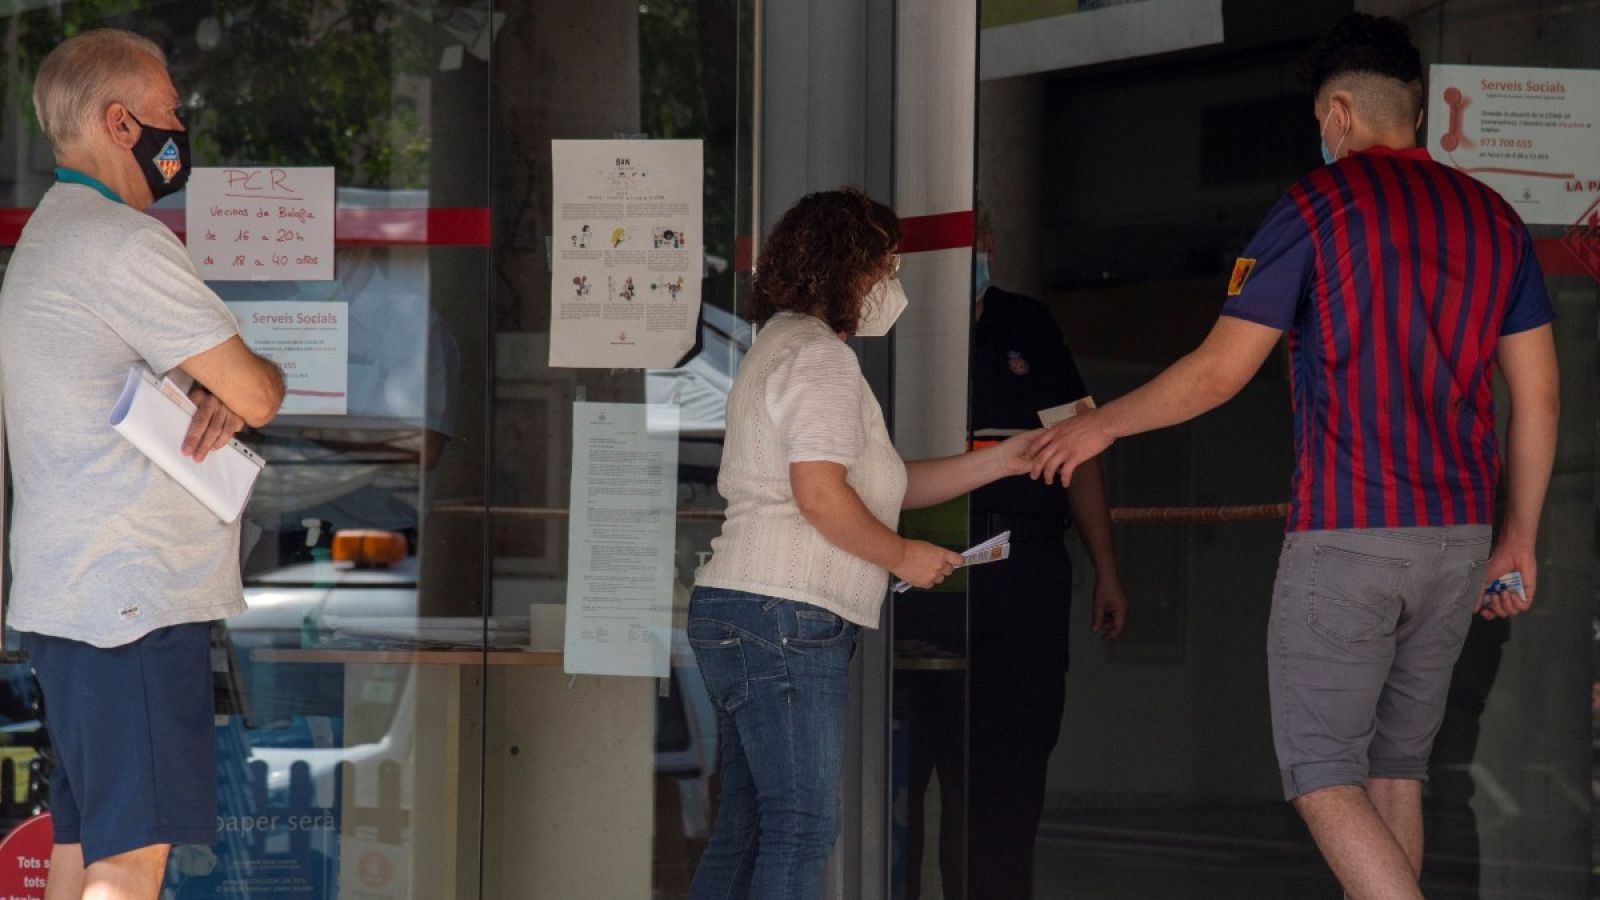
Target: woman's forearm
pixel 930 482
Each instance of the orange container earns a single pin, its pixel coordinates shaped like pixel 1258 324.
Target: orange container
pixel 368 548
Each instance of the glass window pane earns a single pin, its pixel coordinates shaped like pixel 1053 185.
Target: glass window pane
pixel 604 785
pixel 349 695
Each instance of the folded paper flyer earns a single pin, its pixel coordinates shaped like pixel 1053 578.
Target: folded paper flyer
pixel 992 550
pixel 154 416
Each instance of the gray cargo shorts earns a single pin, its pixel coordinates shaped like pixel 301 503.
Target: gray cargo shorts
pixel 1366 626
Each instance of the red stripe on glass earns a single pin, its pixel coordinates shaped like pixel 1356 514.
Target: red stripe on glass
pixel 944 231
pixel 436 227
pixel 744 253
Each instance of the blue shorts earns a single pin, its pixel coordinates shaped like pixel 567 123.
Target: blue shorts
pixel 134 739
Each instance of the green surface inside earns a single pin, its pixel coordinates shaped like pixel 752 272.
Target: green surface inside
pixel 1010 12
pixel 945 525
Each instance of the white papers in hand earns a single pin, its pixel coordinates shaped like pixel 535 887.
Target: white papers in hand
pixel 992 550
pixel 154 416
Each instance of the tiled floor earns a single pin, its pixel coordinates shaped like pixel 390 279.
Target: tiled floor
pixel 1259 851
pixel 1252 851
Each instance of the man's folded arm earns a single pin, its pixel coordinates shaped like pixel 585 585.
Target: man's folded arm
pixel 247 384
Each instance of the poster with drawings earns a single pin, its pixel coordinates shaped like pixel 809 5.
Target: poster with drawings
pixel 627 252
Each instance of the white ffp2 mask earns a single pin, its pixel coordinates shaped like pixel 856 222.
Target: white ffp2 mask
pixel 883 305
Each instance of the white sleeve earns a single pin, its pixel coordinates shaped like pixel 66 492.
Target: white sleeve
pixel 814 398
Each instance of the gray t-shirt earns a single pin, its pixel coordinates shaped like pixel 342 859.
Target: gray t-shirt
pixel 105 547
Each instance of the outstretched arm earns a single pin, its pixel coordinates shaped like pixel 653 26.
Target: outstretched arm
pixel 930 482
pixel 1201 381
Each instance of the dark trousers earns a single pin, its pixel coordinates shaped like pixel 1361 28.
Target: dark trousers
pixel 1010 719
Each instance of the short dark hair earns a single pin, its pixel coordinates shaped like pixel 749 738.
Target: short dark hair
pixel 1362 44
pixel 822 257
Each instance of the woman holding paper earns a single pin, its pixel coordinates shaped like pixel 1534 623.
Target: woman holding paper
pixel 814 489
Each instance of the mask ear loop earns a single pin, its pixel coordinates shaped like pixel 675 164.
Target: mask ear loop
pixel 1342 138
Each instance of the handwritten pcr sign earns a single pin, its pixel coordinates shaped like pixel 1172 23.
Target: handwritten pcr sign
pixel 261 223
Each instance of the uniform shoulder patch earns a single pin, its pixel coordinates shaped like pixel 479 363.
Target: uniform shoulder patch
pixel 1241 271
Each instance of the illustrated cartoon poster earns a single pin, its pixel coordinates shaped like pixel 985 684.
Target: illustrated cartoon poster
pixel 1531 134
pixel 627 254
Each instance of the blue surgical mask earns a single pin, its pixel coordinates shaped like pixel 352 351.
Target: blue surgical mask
pixel 980 274
pixel 1329 157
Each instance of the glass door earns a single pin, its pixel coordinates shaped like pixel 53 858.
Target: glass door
pixel 349 699
pixel 600 784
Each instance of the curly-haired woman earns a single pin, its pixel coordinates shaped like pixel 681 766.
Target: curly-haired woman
pixel 814 490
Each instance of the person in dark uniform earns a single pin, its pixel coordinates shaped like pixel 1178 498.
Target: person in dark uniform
pixel 1019 617
pixel 1011 698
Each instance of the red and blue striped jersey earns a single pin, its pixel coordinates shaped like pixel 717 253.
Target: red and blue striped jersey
pixel 1394 276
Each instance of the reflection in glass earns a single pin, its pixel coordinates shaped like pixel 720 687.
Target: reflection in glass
pixel 341 768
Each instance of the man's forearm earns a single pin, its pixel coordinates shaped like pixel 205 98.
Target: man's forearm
pixel 1186 389
pixel 1527 361
pixel 1203 380
pixel 1530 457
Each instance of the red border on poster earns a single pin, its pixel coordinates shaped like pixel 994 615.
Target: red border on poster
pixel 1582 242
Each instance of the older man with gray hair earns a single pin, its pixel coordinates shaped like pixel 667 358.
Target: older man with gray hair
pixel 119 572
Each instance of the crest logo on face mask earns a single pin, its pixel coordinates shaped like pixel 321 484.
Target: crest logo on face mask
pixel 1017 364
pixel 168 161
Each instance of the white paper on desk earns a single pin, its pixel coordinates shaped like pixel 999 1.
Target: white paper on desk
pixel 992 550
pixel 154 416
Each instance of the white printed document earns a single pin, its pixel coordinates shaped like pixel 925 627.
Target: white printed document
pixel 621 537
pixel 154 416
pixel 992 550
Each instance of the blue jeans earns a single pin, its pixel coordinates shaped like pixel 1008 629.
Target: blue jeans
pixel 778 673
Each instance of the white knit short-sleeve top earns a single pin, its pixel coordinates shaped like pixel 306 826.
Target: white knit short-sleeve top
pixel 800 396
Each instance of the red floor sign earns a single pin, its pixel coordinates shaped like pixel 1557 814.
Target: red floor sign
pixel 25 860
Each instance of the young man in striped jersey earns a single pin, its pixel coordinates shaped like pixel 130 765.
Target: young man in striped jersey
pixel 1402 284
